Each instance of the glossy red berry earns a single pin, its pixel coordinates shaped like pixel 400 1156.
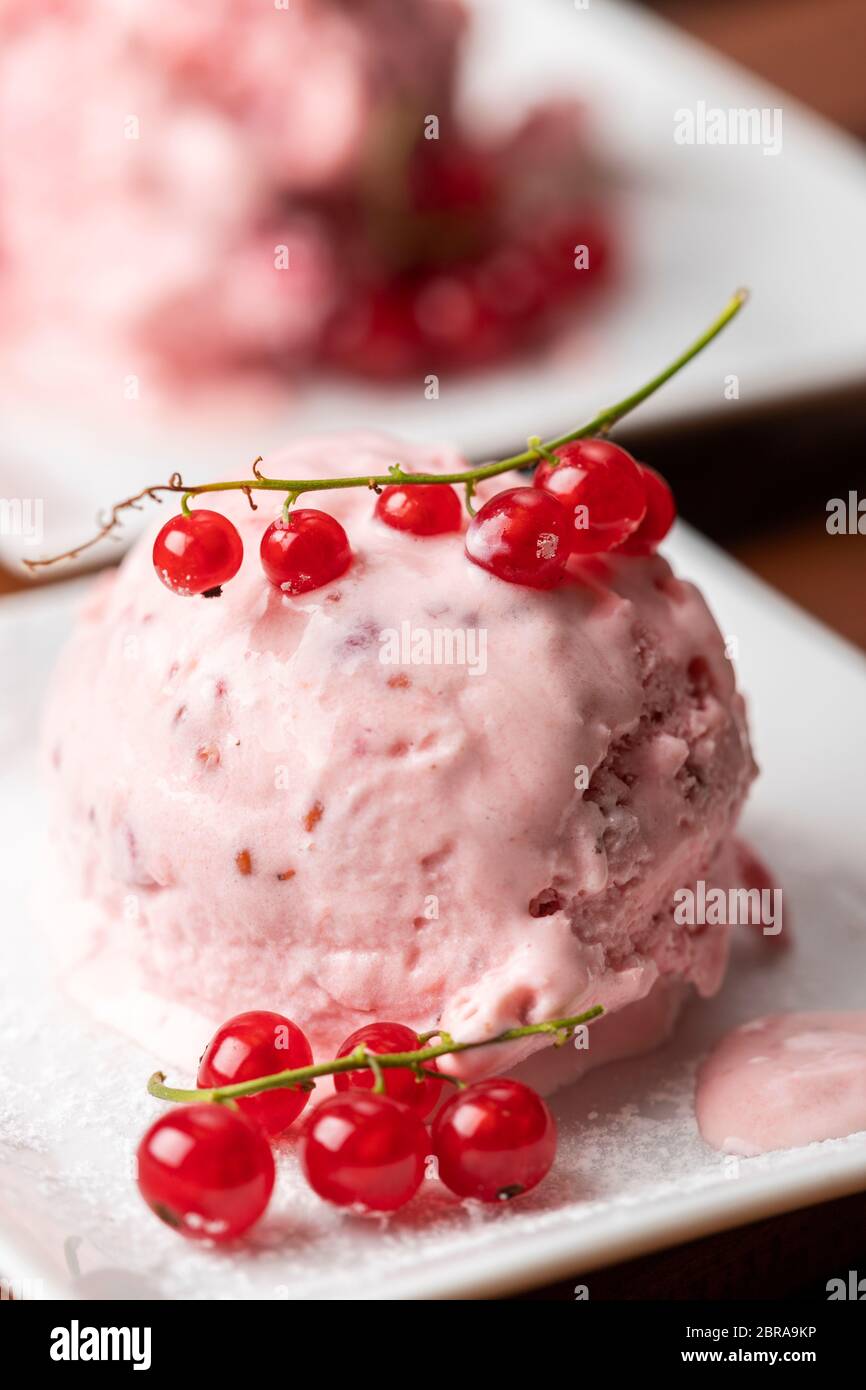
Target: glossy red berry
pixel 206 1171
pixel 425 509
pixel 307 551
pixel 362 1149
pixel 400 1082
pixel 601 487
pixel 258 1044
pixel 494 1140
pixel 523 535
pixel 198 553
pixel 661 513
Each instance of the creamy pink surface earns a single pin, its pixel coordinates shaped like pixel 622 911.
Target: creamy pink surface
pixel 784 1080
pixel 426 813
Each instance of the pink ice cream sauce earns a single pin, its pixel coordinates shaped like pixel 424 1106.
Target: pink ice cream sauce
pixel 784 1080
pixel 253 809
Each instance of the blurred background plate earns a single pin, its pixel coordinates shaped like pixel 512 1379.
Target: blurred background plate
pixel 694 222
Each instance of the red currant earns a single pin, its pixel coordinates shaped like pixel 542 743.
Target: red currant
pixel 453 179
pixel 425 509
pixel 555 243
pixel 198 553
pixel 206 1171
pixel 400 1082
pixel 661 513
pixel 458 326
pixel 494 1140
pixel 258 1044
pixel 523 535
pixel 363 1149
pixel 377 334
pixel 420 322
pixel 602 488
pixel 307 551
pixel 511 284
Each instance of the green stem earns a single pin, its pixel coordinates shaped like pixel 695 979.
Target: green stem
pixel 561 1028
pixel 468 478
pixel 599 424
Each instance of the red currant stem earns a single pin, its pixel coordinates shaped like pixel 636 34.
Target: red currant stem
pixel 435 1033
pixel 600 423
pixel 562 1028
pixel 540 449
pixel 378 1074
pixel 295 487
pixel 422 1073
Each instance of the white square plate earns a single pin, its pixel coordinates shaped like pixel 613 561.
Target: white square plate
pixel 631 1173
pixel 695 222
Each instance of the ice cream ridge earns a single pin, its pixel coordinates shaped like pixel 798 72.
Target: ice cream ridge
pixel 458 795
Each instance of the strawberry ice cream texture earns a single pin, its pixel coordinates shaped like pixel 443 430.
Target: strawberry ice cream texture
pixel 417 793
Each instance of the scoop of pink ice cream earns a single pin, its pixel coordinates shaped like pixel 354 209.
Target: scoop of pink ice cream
pixel 418 793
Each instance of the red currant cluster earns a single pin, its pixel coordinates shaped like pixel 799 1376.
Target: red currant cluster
pixel 468 315
pixel 197 552
pixel 587 497
pixel 459 278
pixel 208 1171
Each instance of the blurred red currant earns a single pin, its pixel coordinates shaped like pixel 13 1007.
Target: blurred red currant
pixel 449 178
pixel 305 552
pixel 362 1149
pixel 602 488
pixel 459 327
pixel 661 513
pixel 258 1044
pixel 401 1083
pixel 206 1171
pixel 510 282
pixel 572 250
pixel 197 553
pixel 494 1140
pixel 377 333
pixel 425 509
pixel 523 535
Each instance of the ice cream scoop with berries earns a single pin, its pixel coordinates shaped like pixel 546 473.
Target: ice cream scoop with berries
pixel 387 747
